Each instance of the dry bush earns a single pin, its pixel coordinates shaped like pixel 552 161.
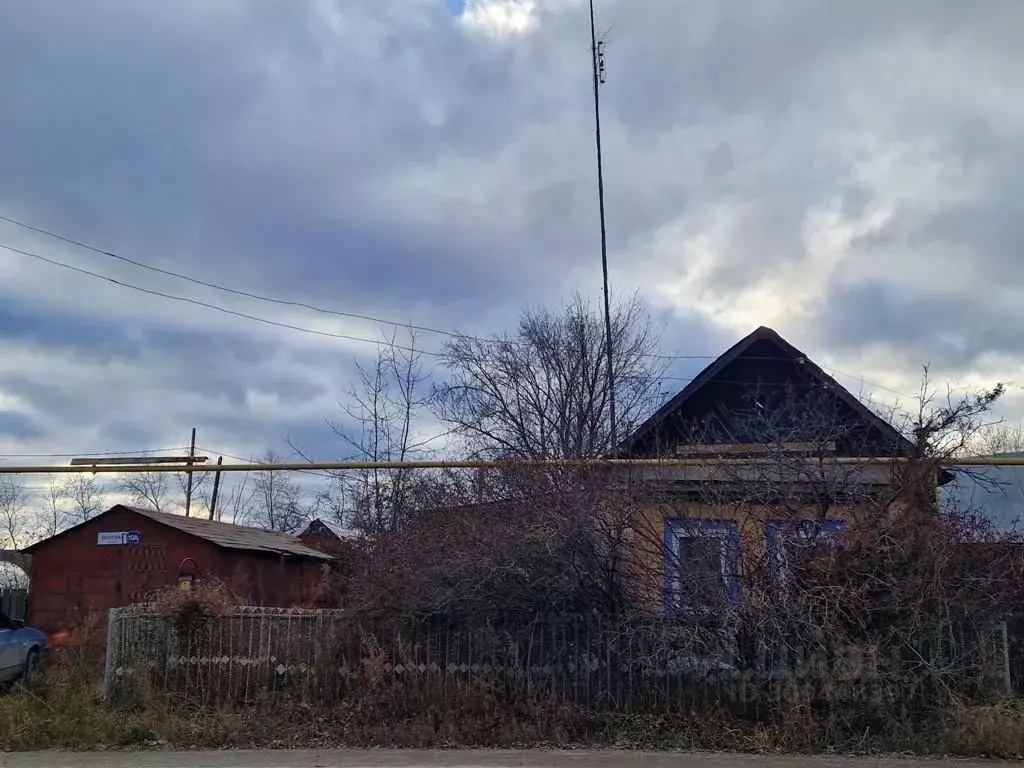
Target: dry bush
pixel 187 609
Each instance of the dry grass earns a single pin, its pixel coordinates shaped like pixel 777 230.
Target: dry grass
pixel 66 711
pixel 996 732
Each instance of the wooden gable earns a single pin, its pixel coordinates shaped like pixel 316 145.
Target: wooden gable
pixel 764 391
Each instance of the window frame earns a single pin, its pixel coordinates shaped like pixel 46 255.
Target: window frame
pixel 728 534
pixel 776 532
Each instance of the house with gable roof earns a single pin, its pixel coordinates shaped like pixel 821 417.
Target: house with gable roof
pixel 810 439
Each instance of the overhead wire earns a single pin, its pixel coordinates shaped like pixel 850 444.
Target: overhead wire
pixel 235 291
pixel 269 299
pixel 198 303
pixel 86 453
pixel 214 451
pixel 304 305
pixel 321 473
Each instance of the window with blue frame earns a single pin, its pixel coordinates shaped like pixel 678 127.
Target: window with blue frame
pixel 701 565
pixel 792 543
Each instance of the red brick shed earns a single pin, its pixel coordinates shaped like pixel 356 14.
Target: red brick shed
pixel 125 553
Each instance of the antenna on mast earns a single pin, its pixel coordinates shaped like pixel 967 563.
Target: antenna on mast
pixel 600 76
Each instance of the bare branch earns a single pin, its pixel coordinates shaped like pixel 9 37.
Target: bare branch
pixel 543 392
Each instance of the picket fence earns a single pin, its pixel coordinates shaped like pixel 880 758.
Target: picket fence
pixel 637 664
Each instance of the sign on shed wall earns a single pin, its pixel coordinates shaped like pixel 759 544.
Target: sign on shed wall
pixel 118 538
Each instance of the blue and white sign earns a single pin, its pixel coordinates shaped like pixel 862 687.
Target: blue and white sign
pixel 118 538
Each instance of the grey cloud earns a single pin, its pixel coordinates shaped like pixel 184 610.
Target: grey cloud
pixel 377 159
pixel 948 329
pixel 18 425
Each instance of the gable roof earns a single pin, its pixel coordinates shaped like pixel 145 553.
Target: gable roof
pixel 338 531
pixel 736 352
pixel 226 535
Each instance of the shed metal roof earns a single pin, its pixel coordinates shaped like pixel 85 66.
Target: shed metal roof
pixel 233 536
pixel 227 535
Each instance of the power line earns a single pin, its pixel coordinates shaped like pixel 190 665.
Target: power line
pixel 236 291
pixel 349 337
pixel 260 297
pixel 84 453
pixel 872 383
pixel 198 303
pixel 313 472
pixel 314 308
pixel 289 326
pixel 267 321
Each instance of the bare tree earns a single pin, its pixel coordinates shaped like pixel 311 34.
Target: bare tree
pixel 542 392
pixel 946 427
pixel 147 489
pixel 1000 438
pixel 236 498
pixel 202 485
pixel 13 500
pixel 54 511
pixel 278 502
pixel 85 496
pixel 383 422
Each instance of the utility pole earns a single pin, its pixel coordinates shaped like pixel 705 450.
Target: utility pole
pixel 216 487
pixel 597 65
pixel 188 473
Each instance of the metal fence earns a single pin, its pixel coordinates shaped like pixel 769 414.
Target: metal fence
pixel 634 664
pixel 13 601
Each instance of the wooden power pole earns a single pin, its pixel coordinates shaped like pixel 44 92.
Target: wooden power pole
pixel 188 473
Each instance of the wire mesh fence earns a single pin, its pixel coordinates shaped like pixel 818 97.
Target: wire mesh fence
pixel 265 656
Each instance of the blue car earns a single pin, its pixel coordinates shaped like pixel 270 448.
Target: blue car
pixel 21 650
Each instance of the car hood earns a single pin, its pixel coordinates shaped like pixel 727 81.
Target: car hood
pixel 33 635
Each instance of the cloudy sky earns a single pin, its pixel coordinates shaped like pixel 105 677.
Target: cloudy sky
pixel 849 173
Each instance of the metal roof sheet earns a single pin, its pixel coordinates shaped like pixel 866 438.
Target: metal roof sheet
pixel 340 531
pixel 233 536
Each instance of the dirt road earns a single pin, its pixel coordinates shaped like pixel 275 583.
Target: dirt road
pixel 397 759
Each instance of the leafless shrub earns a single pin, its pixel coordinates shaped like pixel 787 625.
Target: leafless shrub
pixel 190 612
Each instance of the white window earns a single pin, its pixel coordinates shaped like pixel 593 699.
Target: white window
pixel 701 565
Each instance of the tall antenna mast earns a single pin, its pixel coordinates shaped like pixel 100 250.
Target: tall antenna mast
pixel 597 62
